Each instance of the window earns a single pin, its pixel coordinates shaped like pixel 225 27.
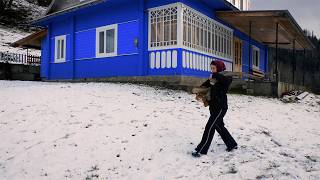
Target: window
pixel 163 26
pixel 106 41
pixel 242 5
pixel 208 35
pixel 255 57
pixel 60 49
pixel 198 32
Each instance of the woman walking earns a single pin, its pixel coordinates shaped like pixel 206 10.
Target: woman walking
pixel 218 106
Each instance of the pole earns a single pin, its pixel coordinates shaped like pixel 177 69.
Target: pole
pixel 277 42
pixel 249 60
pixel 27 56
pixel 303 66
pixel 293 60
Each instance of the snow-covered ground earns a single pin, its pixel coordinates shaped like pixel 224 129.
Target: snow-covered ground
pixel 122 131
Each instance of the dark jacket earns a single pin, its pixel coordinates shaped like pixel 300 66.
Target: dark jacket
pixel 219 91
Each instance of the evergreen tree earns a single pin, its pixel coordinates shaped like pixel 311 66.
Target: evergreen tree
pixel 5 4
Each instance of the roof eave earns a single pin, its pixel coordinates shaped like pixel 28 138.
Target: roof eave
pixel 273 13
pixel 43 19
pixel 26 42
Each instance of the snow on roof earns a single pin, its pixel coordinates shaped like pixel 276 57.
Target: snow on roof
pixel 61 5
pixel 7 36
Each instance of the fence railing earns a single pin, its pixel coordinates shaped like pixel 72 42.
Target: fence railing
pixel 14 58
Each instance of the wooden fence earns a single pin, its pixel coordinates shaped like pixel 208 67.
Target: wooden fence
pixel 14 58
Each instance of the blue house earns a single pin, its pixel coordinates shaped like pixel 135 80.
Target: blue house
pixel 88 39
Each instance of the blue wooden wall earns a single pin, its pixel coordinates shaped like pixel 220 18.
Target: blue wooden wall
pixel 132 19
pixel 80 30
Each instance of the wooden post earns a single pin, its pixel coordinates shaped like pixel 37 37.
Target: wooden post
pixel 293 60
pixel 277 42
pixel 303 66
pixel 249 60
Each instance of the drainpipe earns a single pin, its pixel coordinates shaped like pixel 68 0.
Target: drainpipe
pixel 49 52
pixel 249 60
pixel 143 65
pixel 73 59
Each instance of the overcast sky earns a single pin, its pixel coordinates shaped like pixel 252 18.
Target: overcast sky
pixel 306 12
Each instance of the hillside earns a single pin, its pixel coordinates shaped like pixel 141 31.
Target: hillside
pixel 15 24
pixel 123 131
pixel 21 13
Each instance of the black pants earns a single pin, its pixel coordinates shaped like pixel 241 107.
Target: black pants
pixel 215 123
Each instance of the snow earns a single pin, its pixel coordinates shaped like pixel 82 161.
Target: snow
pixel 124 131
pixel 12 25
pixel 8 36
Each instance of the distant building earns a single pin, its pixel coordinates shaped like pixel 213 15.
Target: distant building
pixel 243 5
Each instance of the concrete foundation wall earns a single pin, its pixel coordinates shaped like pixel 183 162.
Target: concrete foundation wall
pixel 188 83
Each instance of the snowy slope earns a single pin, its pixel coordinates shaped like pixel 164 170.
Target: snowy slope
pixel 15 25
pixel 21 13
pixel 122 131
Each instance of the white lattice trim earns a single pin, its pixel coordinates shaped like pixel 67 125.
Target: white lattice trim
pixel 206 35
pixel 163 26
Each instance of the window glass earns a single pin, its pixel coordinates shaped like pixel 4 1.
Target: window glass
pixel 62 49
pixel 101 42
pixel 58 49
pixel 110 41
pixel 256 57
pixel 153 33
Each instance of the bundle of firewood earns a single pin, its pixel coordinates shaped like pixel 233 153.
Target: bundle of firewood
pixel 202 95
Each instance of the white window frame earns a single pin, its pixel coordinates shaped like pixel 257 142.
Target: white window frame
pixel 255 48
pixel 104 29
pixel 56 50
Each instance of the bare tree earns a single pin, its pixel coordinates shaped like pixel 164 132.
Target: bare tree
pixel 44 2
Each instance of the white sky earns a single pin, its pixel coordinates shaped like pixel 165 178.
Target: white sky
pixel 306 12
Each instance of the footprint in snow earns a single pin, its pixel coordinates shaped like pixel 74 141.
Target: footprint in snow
pixel 102 114
pixel 232 170
pixel 133 121
pixel 313 158
pixel 87 126
pixel 287 155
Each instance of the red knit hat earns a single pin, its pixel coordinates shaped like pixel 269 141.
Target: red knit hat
pixel 220 65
